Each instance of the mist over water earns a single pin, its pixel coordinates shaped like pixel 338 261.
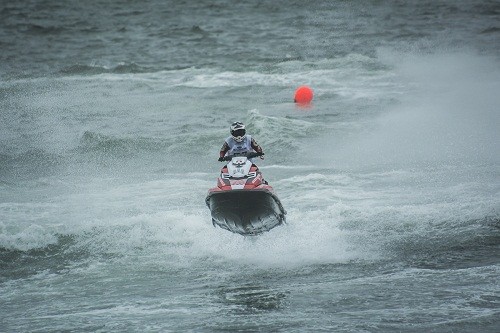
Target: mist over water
pixel 109 137
pixel 446 114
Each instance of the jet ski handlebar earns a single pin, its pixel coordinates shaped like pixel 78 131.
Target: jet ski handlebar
pixel 247 155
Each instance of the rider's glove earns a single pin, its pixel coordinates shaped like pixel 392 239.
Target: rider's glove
pixel 221 159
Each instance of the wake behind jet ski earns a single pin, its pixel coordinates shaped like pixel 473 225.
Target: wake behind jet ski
pixel 242 202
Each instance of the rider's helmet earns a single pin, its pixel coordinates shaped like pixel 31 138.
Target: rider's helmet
pixel 238 131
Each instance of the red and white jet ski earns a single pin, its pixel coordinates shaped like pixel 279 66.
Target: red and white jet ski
pixel 243 202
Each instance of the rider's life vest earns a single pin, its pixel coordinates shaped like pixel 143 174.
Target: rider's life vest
pixel 244 146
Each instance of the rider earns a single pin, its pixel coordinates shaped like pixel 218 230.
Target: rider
pixel 239 142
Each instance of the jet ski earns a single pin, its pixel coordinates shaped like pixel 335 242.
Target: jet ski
pixel 243 202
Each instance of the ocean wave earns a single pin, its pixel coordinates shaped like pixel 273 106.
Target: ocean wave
pixel 182 144
pixel 451 245
pixel 292 71
pixel 169 229
pixel 279 133
pixel 37 29
pixel 33 236
pixel 122 68
pixel 35 250
pixel 491 30
pixel 97 142
pixel 31 163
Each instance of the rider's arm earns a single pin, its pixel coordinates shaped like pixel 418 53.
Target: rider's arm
pixel 224 149
pixel 256 147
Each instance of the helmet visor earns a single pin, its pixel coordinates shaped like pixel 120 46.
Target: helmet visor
pixel 239 132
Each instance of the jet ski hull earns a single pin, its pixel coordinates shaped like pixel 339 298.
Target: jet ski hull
pixel 246 212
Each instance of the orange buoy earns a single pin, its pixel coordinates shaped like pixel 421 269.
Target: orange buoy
pixel 303 95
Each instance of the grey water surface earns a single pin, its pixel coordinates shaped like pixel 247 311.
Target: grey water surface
pixel 111 117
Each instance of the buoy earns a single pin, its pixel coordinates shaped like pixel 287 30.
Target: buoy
pixel 303 95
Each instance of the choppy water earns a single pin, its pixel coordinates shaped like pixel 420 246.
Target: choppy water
pixel 111 117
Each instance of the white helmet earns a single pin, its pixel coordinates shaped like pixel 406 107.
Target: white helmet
pixel 238 131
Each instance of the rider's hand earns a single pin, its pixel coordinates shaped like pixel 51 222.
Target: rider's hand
pixel 262 156
pixel 221 159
